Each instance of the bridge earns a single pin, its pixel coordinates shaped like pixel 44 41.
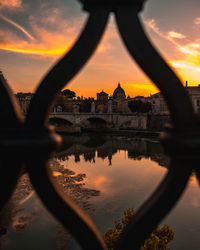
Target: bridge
pixel 96 120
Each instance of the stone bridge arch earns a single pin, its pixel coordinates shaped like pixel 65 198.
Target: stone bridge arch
pixel 57 121
pixel 94 122
pixel 62 125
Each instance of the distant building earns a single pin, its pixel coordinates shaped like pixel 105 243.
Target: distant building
pixel 117 103
pixel 119 93
pixel 102 96
pixel 24 100
pixel 120 103
pixel 102 102
pixel 141 98
pixel 159 105
pixel 194 93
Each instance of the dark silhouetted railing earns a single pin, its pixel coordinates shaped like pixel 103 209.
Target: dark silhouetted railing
pixel 32 142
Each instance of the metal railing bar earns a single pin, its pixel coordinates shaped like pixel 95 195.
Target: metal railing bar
pixel 67 68
pixel 182 114
pixel 156 68
pixel 11 117
pixel 62 207
pixel 22 139
pixel 10 111
pixel 156 207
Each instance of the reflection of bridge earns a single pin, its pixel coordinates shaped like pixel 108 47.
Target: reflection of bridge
pixel 108 120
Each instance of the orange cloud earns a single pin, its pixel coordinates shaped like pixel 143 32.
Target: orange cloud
pixel 134 89
pixel 189 65
pixel 45 39
pixel 174 34
pixel 100 180
pixel 33 51
pixel 152 25
pixel 17 26
pixel 10 3
pixel 48 42
pixel 170 36
pixel 56 45
pixel 109 65
pixel 50 16
pixel 45 43
pixel 197 20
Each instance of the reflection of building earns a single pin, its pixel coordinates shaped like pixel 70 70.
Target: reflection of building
pixel 89 156
pixel 136 149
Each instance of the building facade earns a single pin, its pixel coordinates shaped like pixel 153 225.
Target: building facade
pixel 159 105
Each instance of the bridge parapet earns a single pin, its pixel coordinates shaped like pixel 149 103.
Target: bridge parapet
pixel 115 120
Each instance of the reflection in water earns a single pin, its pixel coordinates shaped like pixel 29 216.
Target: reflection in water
pixel 16 218
pixel 132 169
pixel 13 216
pixel 105 146
pixel 124 182
pixel 105 175
pixel 73 185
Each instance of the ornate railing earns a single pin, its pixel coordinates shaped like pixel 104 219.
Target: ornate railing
pixel 32 142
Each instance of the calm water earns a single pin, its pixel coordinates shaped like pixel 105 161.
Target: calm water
pixel 105 175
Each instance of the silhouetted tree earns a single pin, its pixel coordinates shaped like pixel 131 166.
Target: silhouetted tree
pixel 139 106
pixel 86 105
pixel 68 93
pixel 23 95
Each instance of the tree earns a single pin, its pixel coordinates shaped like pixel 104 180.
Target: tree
pixel 22 95
pixel 158 239
pixel 60 100
pixel 86 105
pixel 139 106
pixel 68 93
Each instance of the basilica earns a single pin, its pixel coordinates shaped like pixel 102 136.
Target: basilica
pixel 117 103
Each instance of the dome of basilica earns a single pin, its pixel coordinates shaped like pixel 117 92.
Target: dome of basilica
pixel 119 93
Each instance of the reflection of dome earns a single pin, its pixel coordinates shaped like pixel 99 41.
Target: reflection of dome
pixel 119 93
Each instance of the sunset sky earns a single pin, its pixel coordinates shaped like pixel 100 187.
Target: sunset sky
pixel 34 34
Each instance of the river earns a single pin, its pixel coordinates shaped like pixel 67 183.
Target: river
pixel 105 175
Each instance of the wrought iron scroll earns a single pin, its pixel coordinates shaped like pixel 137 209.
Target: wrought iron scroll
pixel 33 135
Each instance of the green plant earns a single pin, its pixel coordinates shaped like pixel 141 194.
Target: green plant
pixel 158 239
